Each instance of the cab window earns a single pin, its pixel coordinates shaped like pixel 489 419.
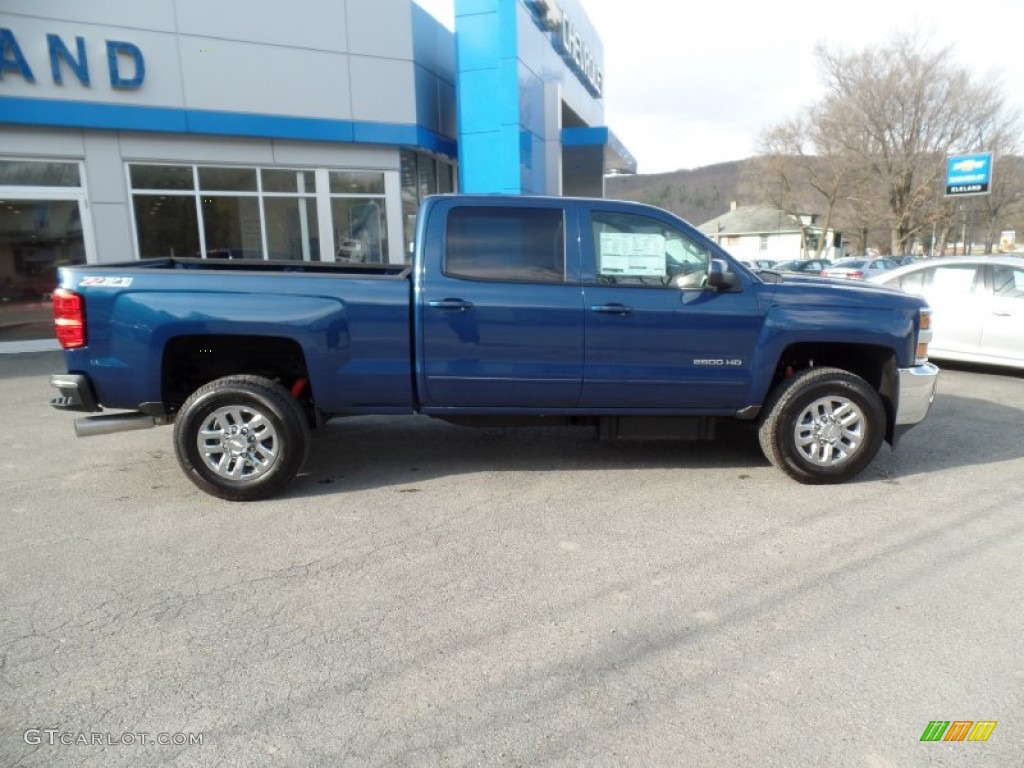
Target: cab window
pixel 630 249
pixel 506 244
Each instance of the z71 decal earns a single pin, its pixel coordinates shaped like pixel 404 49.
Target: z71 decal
pixel 106 282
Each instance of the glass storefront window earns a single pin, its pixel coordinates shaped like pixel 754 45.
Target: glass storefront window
pixel 360 234
pixel 421 175
pixel 445 178
pixel 288 181
pixel 357 182
pixel 36 237
pixel 167 225
pixel 172 177
pixel 31 173
pixel 427 176
pixel 292 228
pixel 410 199
pixel 259 213
pixel 231 226
pixel 213 179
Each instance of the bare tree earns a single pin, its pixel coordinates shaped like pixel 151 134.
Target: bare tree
pixel 798 155
pixel 874 149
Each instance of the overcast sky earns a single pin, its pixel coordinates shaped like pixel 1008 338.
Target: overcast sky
pixel 692 84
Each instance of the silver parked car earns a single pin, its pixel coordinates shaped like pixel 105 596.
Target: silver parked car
pixel 858 268
pixel 803 266
pixel 977 306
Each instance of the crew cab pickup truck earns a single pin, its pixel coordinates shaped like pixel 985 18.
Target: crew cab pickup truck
pixel 514 311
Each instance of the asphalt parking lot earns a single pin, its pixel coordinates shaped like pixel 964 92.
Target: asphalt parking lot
pixel 429 595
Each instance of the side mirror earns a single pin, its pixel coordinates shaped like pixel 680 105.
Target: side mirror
pixel 719 276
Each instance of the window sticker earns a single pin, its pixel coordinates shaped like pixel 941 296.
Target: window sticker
pixel 627 253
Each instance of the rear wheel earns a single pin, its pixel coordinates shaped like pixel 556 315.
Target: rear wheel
pixel 823 426
pixel 241 438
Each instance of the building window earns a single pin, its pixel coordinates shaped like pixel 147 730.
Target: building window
pixel 42 228
pixel 292 228
pixel 34 173
pixel 358 216
pixel 517 244
pixel 257 213
pixel 166 214
pixel 231 227
pixel 764 243
pixel 422 175
pixel 166 225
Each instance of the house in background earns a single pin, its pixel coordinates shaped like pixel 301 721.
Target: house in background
pixel 762 232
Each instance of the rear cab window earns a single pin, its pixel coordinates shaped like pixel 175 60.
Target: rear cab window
pixel 506 244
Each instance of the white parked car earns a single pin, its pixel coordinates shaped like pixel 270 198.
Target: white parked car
pixel 977 306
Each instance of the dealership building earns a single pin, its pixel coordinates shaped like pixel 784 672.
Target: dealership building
pixel 308 130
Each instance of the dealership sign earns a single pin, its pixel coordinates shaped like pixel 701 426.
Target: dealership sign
pixel 577 51
pixel 968 174
pixel 125 64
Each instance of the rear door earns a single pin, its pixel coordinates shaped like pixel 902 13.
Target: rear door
pixel 1003 332
pixel 500 307
pixel 656 337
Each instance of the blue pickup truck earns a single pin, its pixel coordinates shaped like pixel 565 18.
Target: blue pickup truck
pixel 514 311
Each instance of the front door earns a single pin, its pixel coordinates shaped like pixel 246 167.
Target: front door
pixel 656 336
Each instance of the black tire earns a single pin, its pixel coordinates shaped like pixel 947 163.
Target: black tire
pixel 823 426
pixel 256 437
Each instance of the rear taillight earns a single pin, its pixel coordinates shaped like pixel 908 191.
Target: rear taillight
pixel 69 318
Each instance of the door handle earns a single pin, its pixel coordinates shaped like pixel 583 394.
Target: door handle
pixel 612 309
pixel 460 304
pixel 1002 313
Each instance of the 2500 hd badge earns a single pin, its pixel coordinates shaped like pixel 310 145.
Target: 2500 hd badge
pixel 735 361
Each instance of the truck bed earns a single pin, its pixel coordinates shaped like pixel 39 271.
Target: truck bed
pixel 153 322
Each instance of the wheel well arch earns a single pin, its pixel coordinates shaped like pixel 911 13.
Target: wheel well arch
pixel 874 363
pixel 191 361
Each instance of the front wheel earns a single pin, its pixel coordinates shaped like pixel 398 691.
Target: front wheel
pixel 241 438
pixel 823 426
